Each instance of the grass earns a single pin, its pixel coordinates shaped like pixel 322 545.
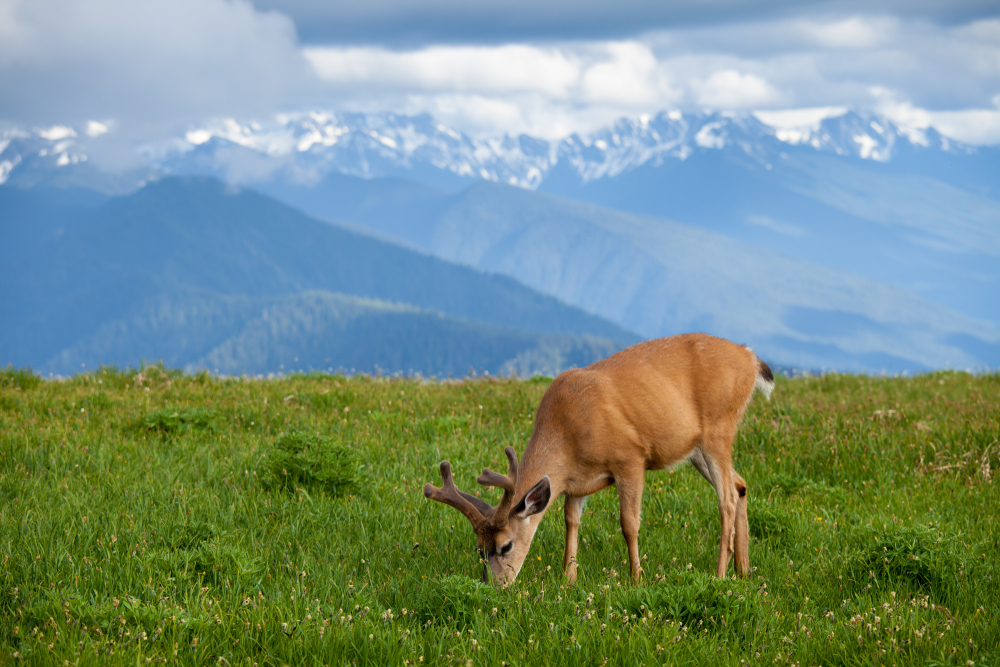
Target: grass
pixel 157 518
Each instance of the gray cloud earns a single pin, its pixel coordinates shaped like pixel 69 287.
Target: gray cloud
pixel 415 23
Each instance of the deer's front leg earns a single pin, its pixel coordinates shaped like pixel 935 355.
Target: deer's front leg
pixel 574 510
pixel 630 502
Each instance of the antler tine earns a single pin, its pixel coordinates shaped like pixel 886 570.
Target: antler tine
pixel 506 482
pixel 450 495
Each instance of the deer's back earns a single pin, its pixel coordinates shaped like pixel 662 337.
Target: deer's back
pixel 659 397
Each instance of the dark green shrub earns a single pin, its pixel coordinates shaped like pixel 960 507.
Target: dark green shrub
pixel 300 459
pixel 220 562
pixel 702 601
pixel 922 557
pixel 454 600
pixel 174 421
pixel 190 535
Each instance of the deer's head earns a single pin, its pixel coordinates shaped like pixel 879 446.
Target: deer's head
pixel 504 532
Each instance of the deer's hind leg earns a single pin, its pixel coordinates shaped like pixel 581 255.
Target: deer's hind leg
pixel 741 541
pixel 716 448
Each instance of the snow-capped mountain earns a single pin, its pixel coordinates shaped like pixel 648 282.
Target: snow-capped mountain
pixel 374 145
pixel 305 147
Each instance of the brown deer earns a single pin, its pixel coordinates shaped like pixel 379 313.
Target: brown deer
pixel 645 408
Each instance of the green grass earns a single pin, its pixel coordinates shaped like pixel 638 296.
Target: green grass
pixel 152 517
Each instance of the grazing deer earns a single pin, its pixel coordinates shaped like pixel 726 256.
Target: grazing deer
pixel 645 408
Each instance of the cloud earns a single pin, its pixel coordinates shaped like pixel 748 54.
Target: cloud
pixel 854 32
pixel 548 91
pixel 76 60
pixel 412 24
pixel 729 89
pixel 630 75
pixel 138 68
pixel 787 62
pixel 798 118
pixel 512 68
pixel 973 126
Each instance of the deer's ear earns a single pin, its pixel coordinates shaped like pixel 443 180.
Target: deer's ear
pixel 535 500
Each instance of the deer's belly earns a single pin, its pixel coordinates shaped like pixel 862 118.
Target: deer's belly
pixel 587 485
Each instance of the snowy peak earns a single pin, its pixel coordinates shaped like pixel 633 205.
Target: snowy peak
pixel 371 145
pixel 305 147
pixel 49 148
pixel 867 136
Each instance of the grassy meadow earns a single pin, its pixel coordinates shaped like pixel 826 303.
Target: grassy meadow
pixel 151 517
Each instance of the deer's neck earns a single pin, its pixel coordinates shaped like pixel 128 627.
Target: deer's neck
pixel 543 456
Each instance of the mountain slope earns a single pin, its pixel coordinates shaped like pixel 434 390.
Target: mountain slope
pixel 316 330
pixel 659 277
pixel 875 219
pixel 184 234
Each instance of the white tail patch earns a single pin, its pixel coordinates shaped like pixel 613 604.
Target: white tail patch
pixel 764 386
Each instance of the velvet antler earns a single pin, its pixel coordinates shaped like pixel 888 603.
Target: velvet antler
pixel 506 482
pixel 473 508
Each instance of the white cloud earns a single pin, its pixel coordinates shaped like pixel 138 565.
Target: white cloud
pixel 792 119
pixel 512 68
pixel 96 129
pixel 730 89
pixel 629 76
pixel 197 137
pixel 547 92
pixel 72 60
pixel 56 132
pixel 856 32
pixel 972 126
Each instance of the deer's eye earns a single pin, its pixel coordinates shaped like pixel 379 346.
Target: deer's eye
pixel 505 549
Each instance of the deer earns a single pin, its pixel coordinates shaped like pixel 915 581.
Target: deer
pixel 648 407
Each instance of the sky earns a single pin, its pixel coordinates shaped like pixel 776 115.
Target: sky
pixel 145 69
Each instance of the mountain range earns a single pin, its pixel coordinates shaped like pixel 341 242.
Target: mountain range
pixel 853 243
